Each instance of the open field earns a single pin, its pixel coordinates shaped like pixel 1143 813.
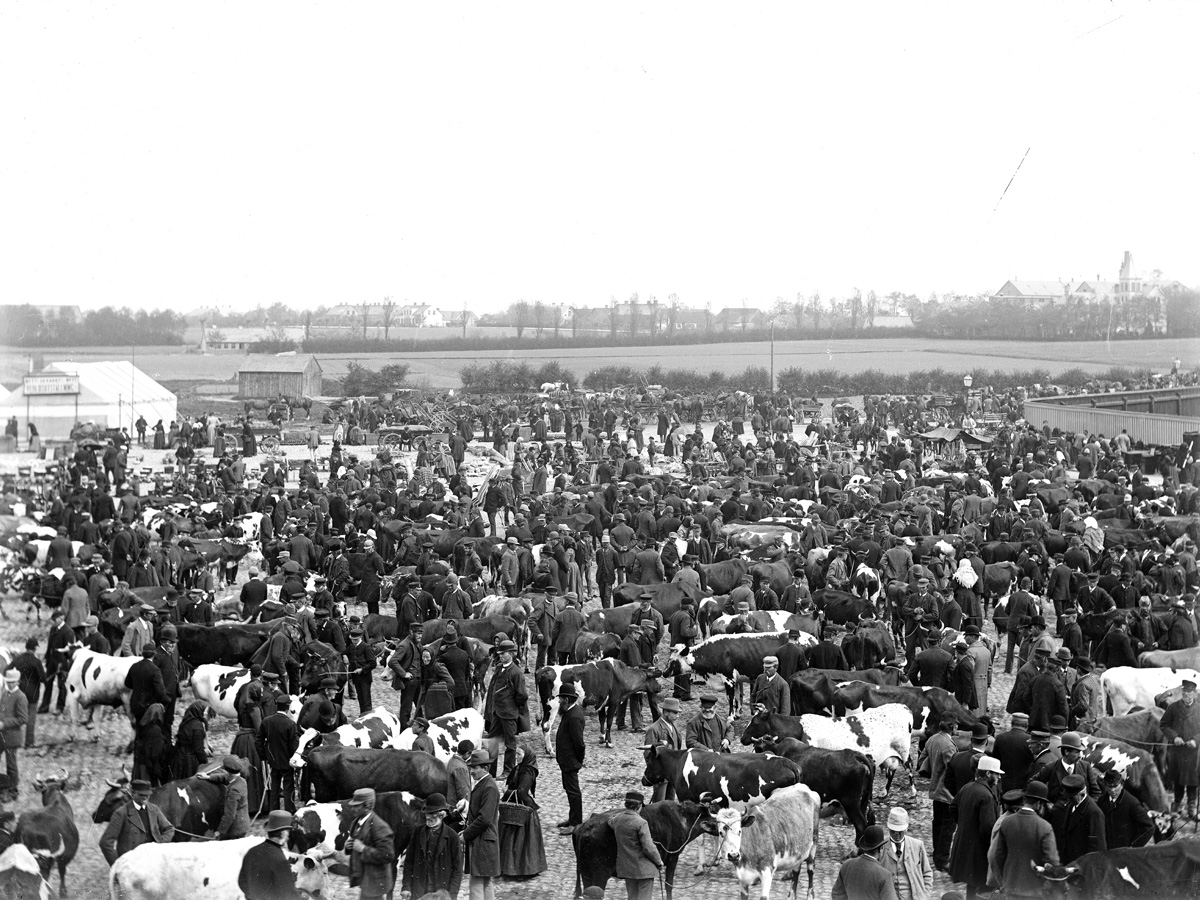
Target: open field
pixel 888 354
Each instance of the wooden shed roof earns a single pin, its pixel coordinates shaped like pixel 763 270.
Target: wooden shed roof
pixel 256 364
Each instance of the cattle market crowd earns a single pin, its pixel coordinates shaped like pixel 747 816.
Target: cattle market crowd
pixel 343 674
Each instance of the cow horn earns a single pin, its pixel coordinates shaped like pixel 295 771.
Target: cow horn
pixel 65 773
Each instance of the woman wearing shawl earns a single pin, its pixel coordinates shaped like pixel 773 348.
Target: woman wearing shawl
pixel 522 851
pixel 191 741
pixel 963 581
pixel 151 747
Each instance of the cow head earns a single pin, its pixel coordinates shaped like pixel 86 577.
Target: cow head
pixel 47 785
pixel 306 832
pixel 1059 879
pixel 312 878
pixel 309 741
pixel 759 725
pixel 730 823
pixel 681 662
pixel 117 793
pixel 656 770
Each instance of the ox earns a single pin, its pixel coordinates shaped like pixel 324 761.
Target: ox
pixel 884 734
pixel 1127 687
pixel 1164 871
pixel 337 772
pixel 193 805
pixel 376 730
pixel 843 778
pixel 96 679
pixel 929 705
pixel 447 732
pixel 673 826
pixel 203 870
pixel 601 684
pixel 50 833
pixel 778 836
pixel 736 657
pixel 741 779
pixel 812 689
pixel 230 645
pixel 20 876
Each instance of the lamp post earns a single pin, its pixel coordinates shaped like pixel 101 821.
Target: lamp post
pixel 967 379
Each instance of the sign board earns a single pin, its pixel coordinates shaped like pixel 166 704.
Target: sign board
pixel 51 383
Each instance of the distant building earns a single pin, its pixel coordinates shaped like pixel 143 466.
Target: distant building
pixel 266 377
pixel 1129 285
pixel 1035 293
pixel 382 315
pixel 739 318
pixel 454 318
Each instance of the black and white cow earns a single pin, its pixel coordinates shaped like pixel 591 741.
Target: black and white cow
pixel 218 686
pixel 737 658
pixel 601 684
pixel 742 779
pixel 375 730
pixel 447 732
pixel 1169 871
pixel 779 835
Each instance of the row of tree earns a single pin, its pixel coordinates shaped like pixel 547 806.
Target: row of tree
pixel 30 326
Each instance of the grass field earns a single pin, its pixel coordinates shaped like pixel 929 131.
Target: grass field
pixel 440 370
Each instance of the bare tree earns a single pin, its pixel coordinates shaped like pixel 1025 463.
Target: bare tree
pixel 612 324
pixel 308 325
pixel 520 315
pixel 872 308
pixel 673 313
pixel 633 316
pixel 745 315
pixel 856 303
pixel 708 317
pixel 556 314
pixel 815 310
pixel 389 313
pixel 653 316
pixel 366 311
pixel 574 322
pixel 539 314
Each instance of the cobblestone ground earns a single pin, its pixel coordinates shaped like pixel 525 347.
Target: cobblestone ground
pixel 93 756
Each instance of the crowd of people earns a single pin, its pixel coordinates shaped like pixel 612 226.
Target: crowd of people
pixel 603 506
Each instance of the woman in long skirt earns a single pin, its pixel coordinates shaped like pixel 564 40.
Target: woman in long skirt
pixel 249 443
pixel 35 440
pixel 522 850
pixel 160 436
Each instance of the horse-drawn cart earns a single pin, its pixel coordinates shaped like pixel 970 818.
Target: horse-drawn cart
pixel 394 437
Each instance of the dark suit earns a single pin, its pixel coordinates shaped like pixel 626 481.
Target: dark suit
pixel 371 868
pixel 129 828
pixel 481 833
pixel 569 751
pixel 863 878
pixel 278 738
pixel 1126 822
pixel 266 874
pixel 433 862
pixel 1079 830
pixel 145 683
pixel 1012 749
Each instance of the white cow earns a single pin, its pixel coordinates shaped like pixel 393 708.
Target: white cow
pixel 1127 687
pixel 778 835
pixel 42 548
pixel 218 686
pixel 20 875
pixel 97 679
pixel 377 730
pixel 448 731
pixel 200 870
pixel 883 733
pixel 779 619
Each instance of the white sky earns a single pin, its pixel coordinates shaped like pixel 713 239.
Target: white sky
pixel 166 154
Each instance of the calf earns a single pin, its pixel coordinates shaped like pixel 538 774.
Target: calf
pixel 741 779
pixel 447 732
pixel 96 679
pixel 884 734
pixel 50 833
pixel 376 730
pixel 778 836
pixel 1127 687
pixel 843 778
pixel 193 805
pixel 1168 871
pixel 601 684
pixel 591 644
pixel 203 869
pixel 673 825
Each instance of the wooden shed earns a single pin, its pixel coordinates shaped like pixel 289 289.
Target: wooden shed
pixel 266 377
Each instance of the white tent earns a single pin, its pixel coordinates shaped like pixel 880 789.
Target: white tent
pixel 110 394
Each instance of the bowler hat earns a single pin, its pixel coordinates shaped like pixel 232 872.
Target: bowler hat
pixel 872 839
pixel 1058 724
pixel 1036 790
pixel 568 690
pixel 1071 741
pixel 279 820
pixel 506 647
pixel 436 803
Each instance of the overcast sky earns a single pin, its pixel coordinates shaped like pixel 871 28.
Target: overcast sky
pixel 165 154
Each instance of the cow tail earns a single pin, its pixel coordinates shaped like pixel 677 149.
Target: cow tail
pixel 114 886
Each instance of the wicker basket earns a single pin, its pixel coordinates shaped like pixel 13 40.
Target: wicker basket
pixel 514 814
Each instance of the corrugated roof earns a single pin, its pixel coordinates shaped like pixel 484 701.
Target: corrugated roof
pixel 278 363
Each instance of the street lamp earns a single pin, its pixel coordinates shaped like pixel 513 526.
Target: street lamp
pixel 967 381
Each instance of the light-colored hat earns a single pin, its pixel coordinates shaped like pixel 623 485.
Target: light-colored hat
pixel 12 676
pixel 990 764
pixel 897 819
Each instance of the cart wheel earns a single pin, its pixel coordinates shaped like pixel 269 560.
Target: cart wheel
pixel 269 444
pixel 391 441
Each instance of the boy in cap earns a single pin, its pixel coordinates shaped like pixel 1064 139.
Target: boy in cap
pixel 235 818
pixel 1126 821
pixel 266 873
pixel 14 715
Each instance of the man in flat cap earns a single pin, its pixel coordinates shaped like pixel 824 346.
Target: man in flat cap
pixel 372 849
pixel 770 691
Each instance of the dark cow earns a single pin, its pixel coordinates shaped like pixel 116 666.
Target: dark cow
pixel 1142 777
pixel 383 628
pixel 812 689
pixel 193 805
pixel 735 657
pixel 590 643
pixel 615 620
pixel 229 646
pixel 320 659
pixel 337 772
pixel 742 779
pixel 673 826
pixel 50 832
pixel 841 607
pixel 667 599
pixel 928 705
pixel 723 577
pixel 601 684
pixel 1163 871
pixel 842 777
pixel 869 645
